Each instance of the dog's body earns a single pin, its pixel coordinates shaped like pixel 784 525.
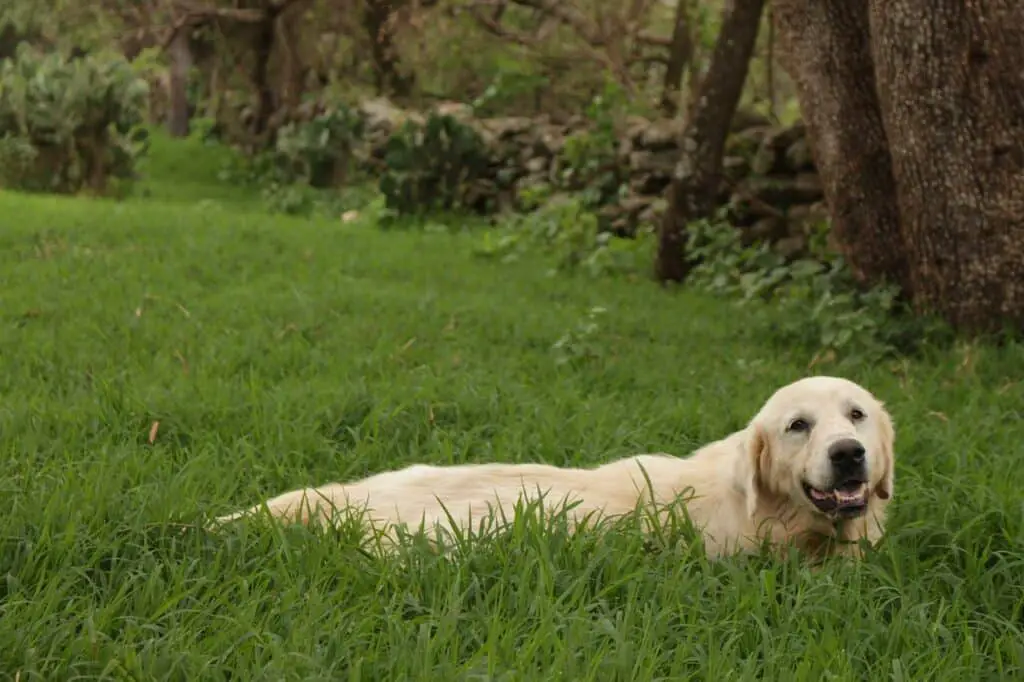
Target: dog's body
pixel 814 468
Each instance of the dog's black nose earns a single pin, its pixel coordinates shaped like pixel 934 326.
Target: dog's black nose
pixel 847 455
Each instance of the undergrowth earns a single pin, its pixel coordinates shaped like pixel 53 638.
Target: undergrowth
pixel 812 303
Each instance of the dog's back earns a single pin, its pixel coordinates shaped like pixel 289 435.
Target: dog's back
pixel 464 495
pixel 468 492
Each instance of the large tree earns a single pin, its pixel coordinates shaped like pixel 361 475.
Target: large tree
pixel 917 126
pixel 697 175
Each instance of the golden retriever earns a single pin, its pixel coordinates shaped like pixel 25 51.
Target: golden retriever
pixel 812 469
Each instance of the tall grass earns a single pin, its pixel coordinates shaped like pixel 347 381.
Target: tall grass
pixel 168 359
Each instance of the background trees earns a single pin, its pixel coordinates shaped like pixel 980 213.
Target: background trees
pixel 918 129
pixel 914 125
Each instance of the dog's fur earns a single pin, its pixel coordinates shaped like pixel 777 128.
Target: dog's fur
pixel 743 489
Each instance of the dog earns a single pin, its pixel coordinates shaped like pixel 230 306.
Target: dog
pixel 812 469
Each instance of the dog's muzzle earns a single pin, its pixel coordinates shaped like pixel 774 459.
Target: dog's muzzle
pixel 847 496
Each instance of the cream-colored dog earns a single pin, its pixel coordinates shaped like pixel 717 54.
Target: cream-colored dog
pixel 813 468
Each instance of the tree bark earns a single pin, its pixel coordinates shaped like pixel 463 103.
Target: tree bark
pixel 824 47
pixel 289 39
pixel 951 90
pixel 680 54
pixel 181 63
pixel 377 20
pixel 263 49
pixel 697 175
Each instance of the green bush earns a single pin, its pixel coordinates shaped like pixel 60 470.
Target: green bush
pixel 563 228
pixel 321 152
pixel 589 161
pixel 814 302
pixel 433 166
pixel 69 124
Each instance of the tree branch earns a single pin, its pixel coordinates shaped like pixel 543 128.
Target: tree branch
pixel 193 15
pixel 489 24
pixel 569 16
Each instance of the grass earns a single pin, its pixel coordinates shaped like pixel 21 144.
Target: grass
pixel 274 352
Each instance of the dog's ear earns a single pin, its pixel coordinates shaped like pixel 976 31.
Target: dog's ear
pixel 887 437
pixel 752 465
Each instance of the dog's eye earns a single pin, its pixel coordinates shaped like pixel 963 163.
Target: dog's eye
pixel 798 425
pixel 856 415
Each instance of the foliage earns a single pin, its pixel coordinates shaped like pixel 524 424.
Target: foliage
pixel 579 344
pixel 589 158
pixel 433 166
pixel 507 87
pixel 311 164
pixel 61 25
pixel 563 229
pixel 457 58
pixel 320 152
pixel 67 124
pixel 814 302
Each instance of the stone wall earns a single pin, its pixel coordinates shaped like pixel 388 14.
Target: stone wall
pixel 770 182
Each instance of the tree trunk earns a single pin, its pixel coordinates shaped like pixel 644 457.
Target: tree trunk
pixel 697 175
pixel 680 54
pixel 263 49
pixel 377 20
pixel 181 63
pixel 951 89
pixel 824 47
pixel 289 39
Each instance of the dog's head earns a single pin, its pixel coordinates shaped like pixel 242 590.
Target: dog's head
pixel 821 443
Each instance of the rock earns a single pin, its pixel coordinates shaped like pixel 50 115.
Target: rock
pixel 635 127
pixel 781 191
pixel 805 218
pixel 735 168
pixel 798 156
pixel 661 135
pixel 551 141
pixel 744 119
pixel 634 204
pixel 745 143
pixel 783 205
pixel 768 229
pixel 536 165
pixel 650 183
pixel 810 183
pixel 652 214
pixel 457 110
pixel 507 127
pixel 661 162
pixel 380 114
pixel 791 247
pixel 771 154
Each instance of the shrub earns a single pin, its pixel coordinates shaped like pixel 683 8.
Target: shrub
pixel 306 158
pixel 814 303
pixel 434 166
pixel 589 160
pixel 69 124
pixel 320 152
pixel 563 228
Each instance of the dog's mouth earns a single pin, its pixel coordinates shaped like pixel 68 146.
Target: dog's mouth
pixel 848 498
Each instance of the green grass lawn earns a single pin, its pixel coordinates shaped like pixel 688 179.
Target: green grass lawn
pixel 275 352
